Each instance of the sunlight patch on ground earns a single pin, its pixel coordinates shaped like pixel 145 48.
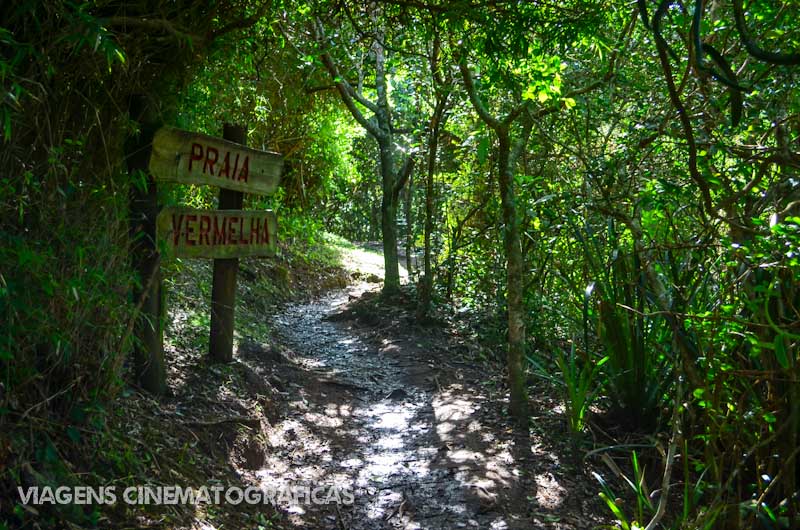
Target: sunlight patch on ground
pixel 332 409
pixel 324 420
pixel 449 411
pixel 393 419
pixel 392 422
pixel 461 456
pixel 549 493
pixel 364 258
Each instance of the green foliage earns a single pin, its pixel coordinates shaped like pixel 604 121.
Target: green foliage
pixel 639 350
pixel 651 265
pixel 637 484
pixel 580 383
pixel 67 72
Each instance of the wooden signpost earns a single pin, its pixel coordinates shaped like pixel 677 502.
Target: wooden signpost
pixel 223 235
pixel 195 158
pixel 190 233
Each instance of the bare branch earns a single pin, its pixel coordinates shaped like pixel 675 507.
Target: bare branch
pixel 480 108
pixel 661 47
pixel 514 114
pixel 345 89
pixel 327 88
pixel 360 97
pixel 753 48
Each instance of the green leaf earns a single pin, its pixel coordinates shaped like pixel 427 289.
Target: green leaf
pixel 543 96
pixel 621 519
pixel 529 93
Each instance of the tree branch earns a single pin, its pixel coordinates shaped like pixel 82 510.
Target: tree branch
pixel 345 90
pixel 480 108
pixel 326 88
pixel 403 174
pixel 514 114
pixel 753 48
pixel 661 47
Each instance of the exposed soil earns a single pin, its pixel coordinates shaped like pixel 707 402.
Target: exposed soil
pixel 349 390
pixel 403 416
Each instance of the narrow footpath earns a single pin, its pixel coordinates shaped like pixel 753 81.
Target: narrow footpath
pixel 377 418
pixel 390 410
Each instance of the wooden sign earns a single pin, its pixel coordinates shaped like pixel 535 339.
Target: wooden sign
pixel 195 158
pixel 192 233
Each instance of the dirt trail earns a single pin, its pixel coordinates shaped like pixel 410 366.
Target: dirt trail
pixel 377 419
pixel 396 417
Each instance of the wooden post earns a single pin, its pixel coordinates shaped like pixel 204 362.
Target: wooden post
pixel 149 344
pixel 223 289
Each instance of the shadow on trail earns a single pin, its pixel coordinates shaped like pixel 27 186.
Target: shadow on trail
pixel 395 423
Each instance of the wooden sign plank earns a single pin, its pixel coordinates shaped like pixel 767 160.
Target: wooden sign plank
pixel 192 233
pixel 196 158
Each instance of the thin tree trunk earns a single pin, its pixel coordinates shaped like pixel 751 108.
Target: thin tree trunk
pixel 514 282
pixel 149 363
pixel 379 127
pixel 451 265
pixel 437 119
pixel 409 190
pixel 391 281
pixel 515 262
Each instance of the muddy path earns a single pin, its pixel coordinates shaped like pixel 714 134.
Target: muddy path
pixel 413 431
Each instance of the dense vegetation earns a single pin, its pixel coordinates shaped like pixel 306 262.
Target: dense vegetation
pixel 612 189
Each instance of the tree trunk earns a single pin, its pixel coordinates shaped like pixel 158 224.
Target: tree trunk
pixel 149 363
pixel 407 203
pixel 391 281
pixel 426 293
pixel 451 264
pixel 515 265
pixel 515 282
pixel 380 128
